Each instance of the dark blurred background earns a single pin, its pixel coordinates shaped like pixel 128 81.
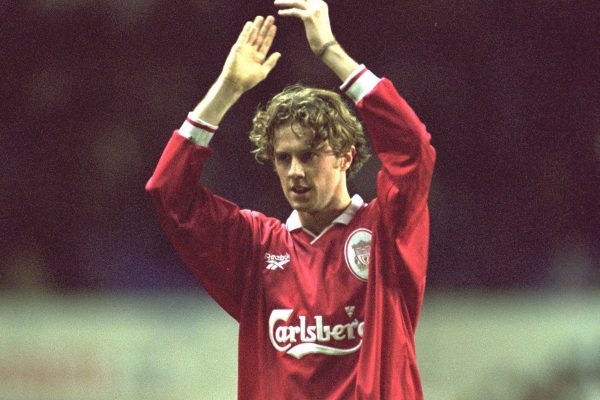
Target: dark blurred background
pixel 94 302
pixel 90 92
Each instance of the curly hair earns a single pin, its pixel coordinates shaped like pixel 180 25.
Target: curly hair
pixel 325 117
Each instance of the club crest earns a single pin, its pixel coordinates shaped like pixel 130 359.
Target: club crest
pixel 357 251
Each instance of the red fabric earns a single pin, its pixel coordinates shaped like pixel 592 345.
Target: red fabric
pixel 296 299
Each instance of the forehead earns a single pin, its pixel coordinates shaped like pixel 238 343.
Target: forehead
pixel 290 138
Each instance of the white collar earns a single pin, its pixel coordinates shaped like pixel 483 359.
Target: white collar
pixel 293 221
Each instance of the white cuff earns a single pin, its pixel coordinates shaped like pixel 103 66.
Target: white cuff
pixel 198 131
pixel 360 82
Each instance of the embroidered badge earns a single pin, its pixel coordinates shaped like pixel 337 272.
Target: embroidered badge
pixel 357 251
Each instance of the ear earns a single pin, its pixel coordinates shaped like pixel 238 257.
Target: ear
pixel 346 159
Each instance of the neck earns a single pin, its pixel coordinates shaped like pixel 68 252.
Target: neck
pixel 316 222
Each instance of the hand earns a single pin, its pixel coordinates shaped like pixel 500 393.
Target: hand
pixel 315 16
pixel 247 63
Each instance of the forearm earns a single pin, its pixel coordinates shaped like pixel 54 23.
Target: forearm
pixel 336 58
pixel 221 96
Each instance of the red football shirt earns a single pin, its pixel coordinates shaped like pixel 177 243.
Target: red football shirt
pixel 327 317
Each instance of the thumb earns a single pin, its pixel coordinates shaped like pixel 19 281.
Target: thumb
pixel 271 61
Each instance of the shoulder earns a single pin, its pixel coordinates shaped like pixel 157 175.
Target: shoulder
pixel 263 222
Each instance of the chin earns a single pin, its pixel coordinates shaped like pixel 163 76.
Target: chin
pixel 300 207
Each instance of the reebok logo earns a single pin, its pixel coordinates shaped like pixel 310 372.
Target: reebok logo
pixel 276 261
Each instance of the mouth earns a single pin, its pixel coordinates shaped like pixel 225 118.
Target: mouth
pixel 300 190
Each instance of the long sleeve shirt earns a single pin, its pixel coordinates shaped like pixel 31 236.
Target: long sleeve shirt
pixel 331 316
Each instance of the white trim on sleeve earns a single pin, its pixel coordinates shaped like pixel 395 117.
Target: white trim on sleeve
pixel 360 82
pixel 198 131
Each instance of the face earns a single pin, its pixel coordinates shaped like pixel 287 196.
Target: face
pixel 312 180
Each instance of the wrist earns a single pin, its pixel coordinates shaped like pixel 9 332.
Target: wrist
pixel 220 98
pixel 336 58
pixel 228 88
pixel 320 51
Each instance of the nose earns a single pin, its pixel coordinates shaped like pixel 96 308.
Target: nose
pixel 296 168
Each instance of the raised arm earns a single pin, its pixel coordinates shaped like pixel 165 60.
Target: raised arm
pixel 211 234
pixel 246 66
pixel 315 16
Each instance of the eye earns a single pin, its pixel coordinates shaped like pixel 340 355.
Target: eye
pixel 308 156
pixel 282 157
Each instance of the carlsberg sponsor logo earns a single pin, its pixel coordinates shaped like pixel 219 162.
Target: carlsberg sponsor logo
pixel 312 338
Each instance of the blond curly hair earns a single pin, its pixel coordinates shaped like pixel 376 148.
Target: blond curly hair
pixel 323 114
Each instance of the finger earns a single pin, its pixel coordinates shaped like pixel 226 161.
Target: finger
pixel 245 33
pixel 301 4
pixel 258 21
pixel 264 31
pixel 293 12
pixel 268 40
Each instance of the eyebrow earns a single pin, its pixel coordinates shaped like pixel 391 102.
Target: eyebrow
pixel 299 151
pixel 320 149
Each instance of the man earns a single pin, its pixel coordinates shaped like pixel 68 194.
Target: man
pixel 328 302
